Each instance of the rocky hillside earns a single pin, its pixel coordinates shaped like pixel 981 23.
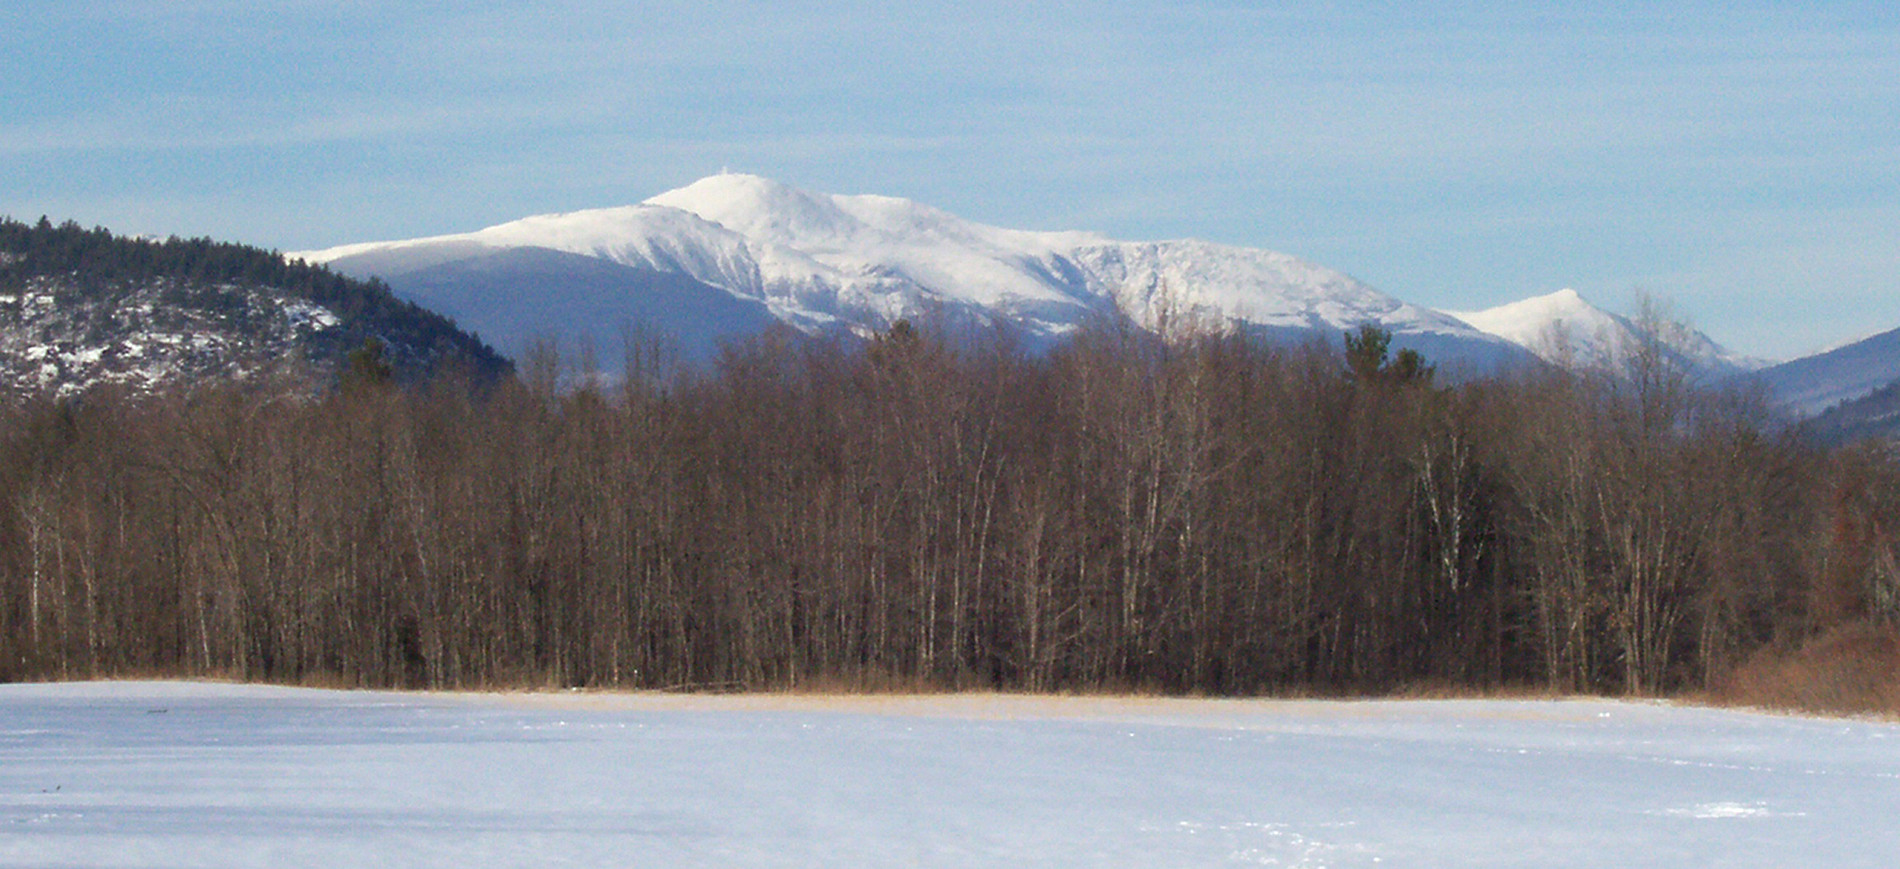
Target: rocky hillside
pixel 82 308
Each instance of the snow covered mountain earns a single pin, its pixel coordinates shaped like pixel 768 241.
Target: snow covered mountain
pixel 738 251
pixel 1846 393
pixel 1565 329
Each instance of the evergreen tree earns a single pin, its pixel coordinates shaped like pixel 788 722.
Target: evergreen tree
pixel 368 366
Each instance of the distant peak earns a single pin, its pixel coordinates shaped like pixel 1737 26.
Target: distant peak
pixel 1564 298
pixel 760 207
pixel 729 183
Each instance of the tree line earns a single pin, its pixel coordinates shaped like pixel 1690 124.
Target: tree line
pixel 1202 513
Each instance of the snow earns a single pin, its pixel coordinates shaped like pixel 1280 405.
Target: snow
pixel 1565 329
pixel 815 259
pixel 301 314
pixel 84 356
pixel 164 774
pixel 1560 327
pixel 135 335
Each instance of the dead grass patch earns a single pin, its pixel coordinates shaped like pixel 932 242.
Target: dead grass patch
pixel 1848 670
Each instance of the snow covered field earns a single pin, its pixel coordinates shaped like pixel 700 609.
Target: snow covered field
pixel 180 774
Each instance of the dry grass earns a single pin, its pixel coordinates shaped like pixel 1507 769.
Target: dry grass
pixel 1848 670
pixel 1438 690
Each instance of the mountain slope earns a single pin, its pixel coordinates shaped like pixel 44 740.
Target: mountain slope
pixel 599 299
pixel 1567 330
pixel 823 262
pixel 1812 384
pixel 82 308
pixel 1874 416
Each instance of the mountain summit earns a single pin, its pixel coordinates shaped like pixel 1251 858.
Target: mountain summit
pixel 726 255
pixel 1565 329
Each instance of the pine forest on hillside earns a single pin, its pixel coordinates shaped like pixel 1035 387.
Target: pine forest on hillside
pixel 1200 514
pixel 81 308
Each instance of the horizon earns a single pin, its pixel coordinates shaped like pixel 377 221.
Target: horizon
pixel 1734 162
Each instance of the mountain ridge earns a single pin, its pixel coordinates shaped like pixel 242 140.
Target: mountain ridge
pixel 759 251
pixel 855 263
pixel 1844 374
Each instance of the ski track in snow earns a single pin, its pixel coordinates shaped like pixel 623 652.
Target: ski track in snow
pixel 191 774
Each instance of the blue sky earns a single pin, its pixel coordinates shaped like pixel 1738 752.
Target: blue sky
pixel 1741 162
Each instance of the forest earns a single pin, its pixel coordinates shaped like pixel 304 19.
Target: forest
pixel 1196 513
pixel 79 265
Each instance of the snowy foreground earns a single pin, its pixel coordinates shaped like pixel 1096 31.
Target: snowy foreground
pixel 180 774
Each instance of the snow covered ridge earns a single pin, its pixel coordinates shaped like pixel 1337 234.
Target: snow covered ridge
pixel 140 774
pixel 824 262
pixel 1566 330
pixel 1850 391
